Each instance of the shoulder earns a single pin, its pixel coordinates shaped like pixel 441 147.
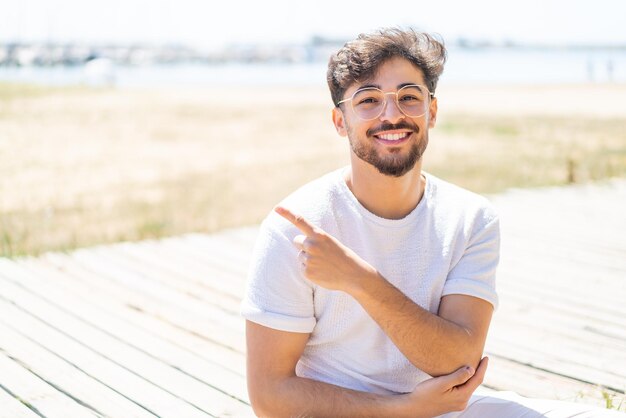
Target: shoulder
pixel 452 202
pixel 314 201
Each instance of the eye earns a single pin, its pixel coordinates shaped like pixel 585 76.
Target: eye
pixel 410 98
pixel 368 97
pixel 368 100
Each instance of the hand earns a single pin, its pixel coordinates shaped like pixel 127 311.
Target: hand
pixel 443 394
pixel 325 260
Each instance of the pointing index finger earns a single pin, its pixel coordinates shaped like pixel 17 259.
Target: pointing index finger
pixel 297 220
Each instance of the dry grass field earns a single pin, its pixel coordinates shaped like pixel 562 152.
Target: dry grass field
pixel 81 166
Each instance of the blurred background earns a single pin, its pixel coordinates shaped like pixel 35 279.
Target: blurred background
pixel 126 120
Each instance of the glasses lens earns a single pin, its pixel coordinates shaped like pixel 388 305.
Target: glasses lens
pixel 413 100
pixel 368 103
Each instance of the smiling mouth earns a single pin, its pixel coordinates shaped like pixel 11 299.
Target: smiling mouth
pixel 393 138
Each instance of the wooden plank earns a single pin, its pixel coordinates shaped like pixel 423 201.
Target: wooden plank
pixel 556 303
pixel 583 222
pixel 217 249
pixel 245 235
pixel 46 287
pixel 554 220
pixel 200 280
pixel 59 329
pixel 117 300
pixel 223 255
pixel 172 379
pixel 538 334
pixel 602 243
pixel 512 375
pixel 160 301
pixel 574 278
pixel 557 252
pixel 67 378
pixel 565 231
pixel 11 407
pixel 562 297
pixel 543 350
pixel 43 397
pixel 135 387
pixel 574 332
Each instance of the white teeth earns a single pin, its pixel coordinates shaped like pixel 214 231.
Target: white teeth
pixel 393 137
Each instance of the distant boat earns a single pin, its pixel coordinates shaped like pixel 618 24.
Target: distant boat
pixel 99 72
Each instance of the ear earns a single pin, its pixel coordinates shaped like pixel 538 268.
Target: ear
pixel 432 120
pixel 339 121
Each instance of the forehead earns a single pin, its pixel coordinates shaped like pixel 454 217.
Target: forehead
pixel 390 75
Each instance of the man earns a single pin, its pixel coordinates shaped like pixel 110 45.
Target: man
pixel 370 280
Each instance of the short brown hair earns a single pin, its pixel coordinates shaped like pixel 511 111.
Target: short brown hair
pixel 359 60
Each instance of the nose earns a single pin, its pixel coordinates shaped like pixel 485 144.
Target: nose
pixel 391 112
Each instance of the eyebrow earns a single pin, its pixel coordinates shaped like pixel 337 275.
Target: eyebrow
pixel 366 86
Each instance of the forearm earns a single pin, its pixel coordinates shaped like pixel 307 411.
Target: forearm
pixel 302 397
pixel 433 344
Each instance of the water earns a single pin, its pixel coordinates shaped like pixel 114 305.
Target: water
pixel 535 66
pixel 464 66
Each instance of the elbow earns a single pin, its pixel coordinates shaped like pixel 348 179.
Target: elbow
pixel 260 402
pixel 263 398
pixel 260 408
pixel 462 355
pixel 468 355
pixel 471 358
pixel 454 362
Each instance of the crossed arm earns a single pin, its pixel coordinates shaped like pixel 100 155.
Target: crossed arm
pixel 276 391
pixel 449 342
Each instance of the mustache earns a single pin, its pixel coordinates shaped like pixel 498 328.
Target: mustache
pixel 385 126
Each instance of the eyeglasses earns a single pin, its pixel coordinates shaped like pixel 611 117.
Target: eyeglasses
pixel 368 103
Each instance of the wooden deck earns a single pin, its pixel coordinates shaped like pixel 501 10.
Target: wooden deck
pixel 152 328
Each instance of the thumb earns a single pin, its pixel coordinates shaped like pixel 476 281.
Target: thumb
pixel 458 377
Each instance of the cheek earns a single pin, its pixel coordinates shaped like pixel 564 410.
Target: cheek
pixel 351 129
pixel 359 133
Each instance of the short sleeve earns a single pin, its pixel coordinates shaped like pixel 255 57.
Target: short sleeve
pixel 277 294
pixel 475 272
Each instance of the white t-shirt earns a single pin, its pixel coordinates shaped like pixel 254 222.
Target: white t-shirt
pixel 449 244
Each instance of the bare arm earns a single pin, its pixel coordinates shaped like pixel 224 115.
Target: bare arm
pixel 437 344
pixel 276 391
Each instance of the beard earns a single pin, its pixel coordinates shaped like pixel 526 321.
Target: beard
pixel 396 163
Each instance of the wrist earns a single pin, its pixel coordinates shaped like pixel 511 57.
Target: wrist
pixel 404 405
pixel 364 286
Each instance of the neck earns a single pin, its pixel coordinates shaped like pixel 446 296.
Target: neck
pixel 385 196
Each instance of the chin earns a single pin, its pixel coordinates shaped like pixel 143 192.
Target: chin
pixel 394 171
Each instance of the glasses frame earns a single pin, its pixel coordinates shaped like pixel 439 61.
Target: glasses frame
pixel 382 109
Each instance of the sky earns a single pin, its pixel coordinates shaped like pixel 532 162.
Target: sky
pixel 215 24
